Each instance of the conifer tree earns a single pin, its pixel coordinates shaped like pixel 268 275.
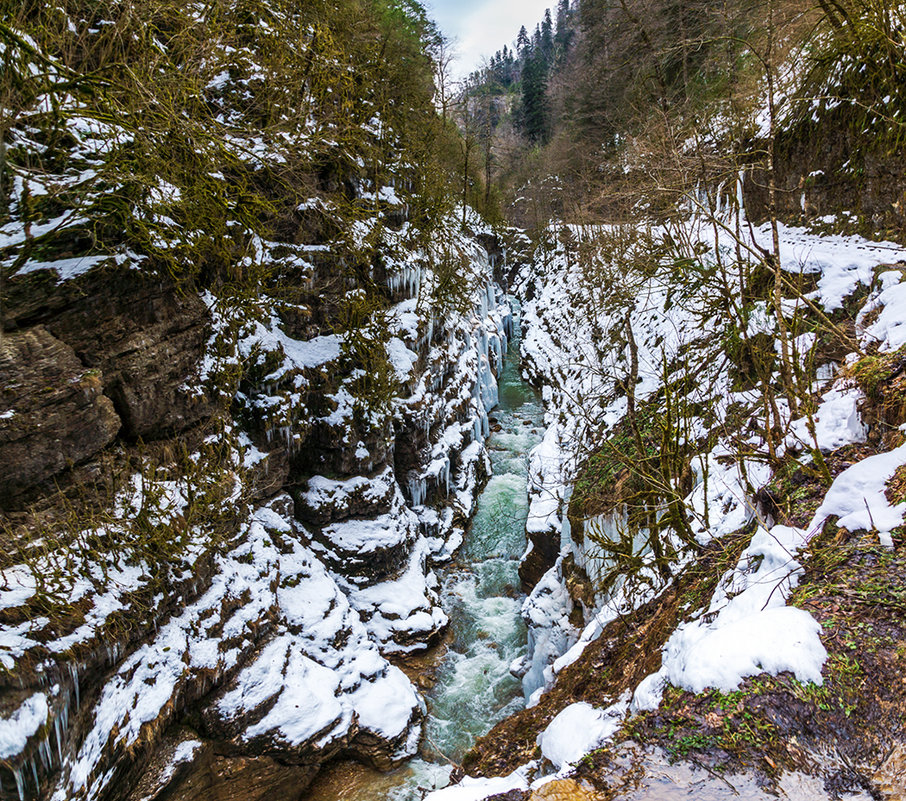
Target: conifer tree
pixel 522 42
pixel 547 37
pixel 534 86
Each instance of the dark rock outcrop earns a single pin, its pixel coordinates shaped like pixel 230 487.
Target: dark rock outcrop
pixel 324 501
pixel 204 774
pixel 346 447
pixel 53 412
pixel 145 336
pixel 541 557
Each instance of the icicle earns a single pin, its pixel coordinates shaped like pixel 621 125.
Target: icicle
pixel 418 490
pixel 45 754
pixel 483 306
pixel 56 728
pixel 20 783
pixel 487 384
pixel 719 202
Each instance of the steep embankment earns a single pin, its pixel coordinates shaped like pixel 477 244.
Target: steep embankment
pixel 732 551
pixel 718 497
pixel 246 362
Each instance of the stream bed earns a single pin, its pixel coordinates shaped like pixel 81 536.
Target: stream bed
pixel 472 687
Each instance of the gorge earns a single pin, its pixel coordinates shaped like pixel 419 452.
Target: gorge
pixel 360 439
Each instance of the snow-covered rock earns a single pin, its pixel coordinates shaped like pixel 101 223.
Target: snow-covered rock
pixel 578 729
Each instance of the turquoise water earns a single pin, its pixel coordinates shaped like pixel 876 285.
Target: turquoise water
pixel 481 590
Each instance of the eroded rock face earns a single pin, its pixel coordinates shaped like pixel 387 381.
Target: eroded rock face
pixel 53 412
pixel 274 658
pixel 144 334
pixel 319 684
pixel 188 770
pixel 149 340
pixel 341 445
pixel 241 778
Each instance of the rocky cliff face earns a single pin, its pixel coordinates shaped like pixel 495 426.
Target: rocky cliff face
pixel 262 643
pixel 247 353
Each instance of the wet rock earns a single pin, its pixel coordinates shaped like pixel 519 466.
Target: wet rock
pixel 565 790
pixel 889 781
pixel 53 412
pixel 539 558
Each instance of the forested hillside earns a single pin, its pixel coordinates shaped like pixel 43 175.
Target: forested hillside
pixel 622 103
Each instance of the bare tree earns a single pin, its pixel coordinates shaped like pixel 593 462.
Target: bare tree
pixel 444 55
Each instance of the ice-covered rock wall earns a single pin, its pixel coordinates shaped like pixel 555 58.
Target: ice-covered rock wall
pixel 254 662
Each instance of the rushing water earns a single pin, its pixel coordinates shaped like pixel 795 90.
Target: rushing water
pixel 474 688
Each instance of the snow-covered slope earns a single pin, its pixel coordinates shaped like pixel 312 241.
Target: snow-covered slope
pixel 621 333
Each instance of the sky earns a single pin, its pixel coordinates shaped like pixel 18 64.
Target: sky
pixel 482 27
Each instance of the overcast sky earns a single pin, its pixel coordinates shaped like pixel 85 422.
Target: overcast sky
pixel 482 27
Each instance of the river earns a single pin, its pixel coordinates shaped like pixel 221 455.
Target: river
pixel 472 687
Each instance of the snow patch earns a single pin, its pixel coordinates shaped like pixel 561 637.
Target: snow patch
pixel 578 730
